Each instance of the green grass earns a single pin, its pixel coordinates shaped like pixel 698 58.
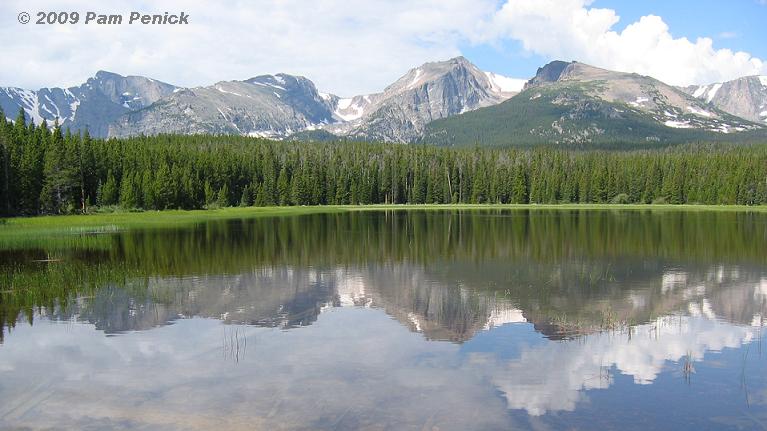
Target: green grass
pixel 64 232
pixel 93 224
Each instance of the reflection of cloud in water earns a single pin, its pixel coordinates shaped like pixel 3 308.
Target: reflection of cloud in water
pixel 351 369
pixel 552 376
pixel 361 362
pixel 346 367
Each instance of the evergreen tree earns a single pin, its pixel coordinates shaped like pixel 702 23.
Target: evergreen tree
pixel 519 193
pixel 58 185
pixel 210 194
pixel 129 197
pixel 47 171
pixel 246 199
pixel 149 198
pixel 108 192
pixel 165 187
pixel 283 187
pixel 222 198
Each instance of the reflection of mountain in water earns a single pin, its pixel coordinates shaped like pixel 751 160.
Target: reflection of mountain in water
pixel 289 297
pixel 602 294
pixel 284 298
pixel 440 304
pixel 631 325
pixel 445 274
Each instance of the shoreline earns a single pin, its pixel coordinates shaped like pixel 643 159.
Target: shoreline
pixel 127 219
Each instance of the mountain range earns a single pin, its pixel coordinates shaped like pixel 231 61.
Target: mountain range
pixel 448 103
pixel 572 103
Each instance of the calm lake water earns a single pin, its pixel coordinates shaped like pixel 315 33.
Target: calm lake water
pixel 443 320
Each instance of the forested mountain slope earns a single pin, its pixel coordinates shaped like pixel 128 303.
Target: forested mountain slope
pixel 576 105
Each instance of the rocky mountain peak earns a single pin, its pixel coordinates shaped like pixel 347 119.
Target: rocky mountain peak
pixel 551 72
pixel 558 71
pixel 433 71
pixel 105 74
pixel 425 93
pixel 584 103
pixel 745 97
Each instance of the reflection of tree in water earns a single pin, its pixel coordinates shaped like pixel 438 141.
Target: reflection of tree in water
pixel 445 274
pixel 443 303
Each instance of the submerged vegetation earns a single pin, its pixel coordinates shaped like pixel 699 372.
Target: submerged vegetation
pixel 44 171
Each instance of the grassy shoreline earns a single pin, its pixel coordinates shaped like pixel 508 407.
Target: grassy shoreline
pixel 124 220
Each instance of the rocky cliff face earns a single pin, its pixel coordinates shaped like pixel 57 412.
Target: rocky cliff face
pixel 577 104
pixel 642 94
pixel 424 94
pixel 566 102
pixel 266 106
pixel 94 105
pixel 745 97
pixel 275 106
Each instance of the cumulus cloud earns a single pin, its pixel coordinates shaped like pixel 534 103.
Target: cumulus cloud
pixel 571 30
pixel 344 47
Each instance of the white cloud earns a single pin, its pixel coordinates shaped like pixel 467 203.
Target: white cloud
pixel 571 30
pixel 344 47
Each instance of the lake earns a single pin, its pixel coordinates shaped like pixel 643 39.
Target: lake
pixel 391 320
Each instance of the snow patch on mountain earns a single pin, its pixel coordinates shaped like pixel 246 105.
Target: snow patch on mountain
pixel 219 88
pixel 700 91
pixel 640 100
pixel 700 112
pixel 414 82
pixel 268 84
pixel 30 103
pixel 707 92
pixel 505 84
pixel 73 105
pixel 712 92
pixel 348 111
pixel 678 124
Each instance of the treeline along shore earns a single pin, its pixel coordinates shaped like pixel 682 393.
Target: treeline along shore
pixel 46 170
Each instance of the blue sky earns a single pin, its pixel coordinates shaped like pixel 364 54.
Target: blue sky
pixel 739 25
pixel 359 47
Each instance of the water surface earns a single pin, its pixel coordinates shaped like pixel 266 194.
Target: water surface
pixel 422 320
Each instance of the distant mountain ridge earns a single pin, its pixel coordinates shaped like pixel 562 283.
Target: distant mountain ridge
pixel 745 97
pixel 449 102
pixel 94 105
pixel 274 106
pixel 424 94
pixel 577 104
pixel 266 106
